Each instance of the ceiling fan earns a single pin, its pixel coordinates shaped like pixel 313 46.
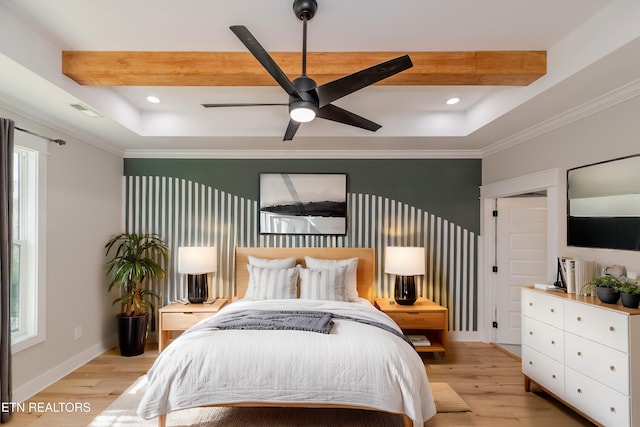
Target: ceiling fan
pixel 307 100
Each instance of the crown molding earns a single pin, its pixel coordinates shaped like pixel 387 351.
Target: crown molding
pixel 603 102
pixel 303 154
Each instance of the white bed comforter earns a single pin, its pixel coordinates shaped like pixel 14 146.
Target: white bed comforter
pixel 355 365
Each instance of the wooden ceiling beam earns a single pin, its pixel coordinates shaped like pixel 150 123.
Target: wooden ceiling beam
pixel 120 68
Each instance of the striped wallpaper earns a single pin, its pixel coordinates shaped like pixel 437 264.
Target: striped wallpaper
pixel 186 213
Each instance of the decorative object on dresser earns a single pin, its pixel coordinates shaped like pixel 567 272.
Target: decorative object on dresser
pixel 575 274
pixel 176 318
pixel 405 262
pixel 606 287
pixel 133 263
pixel 584 353
pixel 197 263
pixel 425 319
pixel 629 293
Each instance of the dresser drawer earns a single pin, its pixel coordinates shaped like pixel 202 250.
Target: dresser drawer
pixel 605 405
pixel 545 338
pixel 604 364
pixel 182 321
pixel 604 326
pixel 545 308
pixel 543 370
pixel 417 320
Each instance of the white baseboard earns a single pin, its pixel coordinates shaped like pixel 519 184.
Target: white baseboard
pixel 31 388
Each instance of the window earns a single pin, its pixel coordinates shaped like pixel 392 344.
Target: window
pixel 28 267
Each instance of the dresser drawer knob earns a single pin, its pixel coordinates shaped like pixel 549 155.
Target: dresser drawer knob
pixel 579 353
pixel 612 368
pixel 611 328
pixel 579 319
pixel 530 304
pixel 612 409
pixel 530 332
pixel 553 376
pixel 530 362
pixel 579 391
pixel 553 342
pixel 553 310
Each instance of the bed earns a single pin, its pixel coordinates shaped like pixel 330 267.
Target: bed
pixel 359 358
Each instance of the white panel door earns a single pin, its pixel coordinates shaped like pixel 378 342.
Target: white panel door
pixel 521 254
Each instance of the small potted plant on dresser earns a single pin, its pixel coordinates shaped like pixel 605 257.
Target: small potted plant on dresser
pixel 606 288
pixel 134 263
pixel 629 293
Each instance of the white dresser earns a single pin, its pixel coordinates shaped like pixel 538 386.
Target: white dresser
pixel 585 353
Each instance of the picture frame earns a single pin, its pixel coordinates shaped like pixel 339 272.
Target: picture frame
pixel 303 203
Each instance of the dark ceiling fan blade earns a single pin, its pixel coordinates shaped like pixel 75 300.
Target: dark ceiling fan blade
pixel 337 114
pixel 336 89
pixel 264 58
pixel 241 105
pixel 292 128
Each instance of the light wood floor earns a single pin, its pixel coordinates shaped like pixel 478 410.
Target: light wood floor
pixel 487 378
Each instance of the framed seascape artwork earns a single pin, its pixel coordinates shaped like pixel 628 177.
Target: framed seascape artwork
pixel 303 203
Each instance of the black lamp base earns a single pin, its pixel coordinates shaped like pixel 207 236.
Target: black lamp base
pixel 405 290
pixel 197 288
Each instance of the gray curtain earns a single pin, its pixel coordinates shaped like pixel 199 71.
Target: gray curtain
pixel 6 245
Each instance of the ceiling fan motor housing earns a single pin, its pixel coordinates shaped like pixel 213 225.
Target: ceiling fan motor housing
pixel 308 96
pixel 305 9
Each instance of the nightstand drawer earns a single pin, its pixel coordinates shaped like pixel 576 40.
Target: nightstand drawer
pixel 419 320
pixel 182 321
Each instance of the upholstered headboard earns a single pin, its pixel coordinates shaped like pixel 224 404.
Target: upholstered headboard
pixel 365 273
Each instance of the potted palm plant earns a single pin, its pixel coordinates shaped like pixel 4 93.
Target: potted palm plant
pixel 133 263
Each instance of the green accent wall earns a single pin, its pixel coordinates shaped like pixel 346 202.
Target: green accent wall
pixel 449 188
pixel 430 203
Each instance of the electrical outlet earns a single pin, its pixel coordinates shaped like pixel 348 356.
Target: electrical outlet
pixel 77 333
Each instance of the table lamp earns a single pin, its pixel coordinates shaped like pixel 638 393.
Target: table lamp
pixel 197 263
pixel 405 262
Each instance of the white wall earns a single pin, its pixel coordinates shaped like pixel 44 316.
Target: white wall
pixel 84 207
pixel 607 134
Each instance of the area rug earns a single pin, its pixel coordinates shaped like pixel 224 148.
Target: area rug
pixel 122 413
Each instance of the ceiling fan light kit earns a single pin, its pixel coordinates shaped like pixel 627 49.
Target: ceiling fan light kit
pixel 307 100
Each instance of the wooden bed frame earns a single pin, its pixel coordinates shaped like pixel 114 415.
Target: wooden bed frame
pixel 366 289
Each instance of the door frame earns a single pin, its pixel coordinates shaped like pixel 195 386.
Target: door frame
pixel 549 180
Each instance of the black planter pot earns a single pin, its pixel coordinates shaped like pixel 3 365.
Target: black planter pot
pixel 607 295
pixel 132 334
pixel 630 300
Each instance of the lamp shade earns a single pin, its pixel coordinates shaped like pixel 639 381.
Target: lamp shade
pixel 404 260
pixel 197 260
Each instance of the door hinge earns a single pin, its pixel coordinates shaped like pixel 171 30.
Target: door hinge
pixel 495 269
pixel 495 212
pixel 495 325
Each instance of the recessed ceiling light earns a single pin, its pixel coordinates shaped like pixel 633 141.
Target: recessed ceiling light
pixel 153 99
pixel 452 101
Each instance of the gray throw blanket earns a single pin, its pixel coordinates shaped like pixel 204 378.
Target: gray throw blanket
pixel 310 321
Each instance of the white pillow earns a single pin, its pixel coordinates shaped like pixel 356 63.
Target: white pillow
pixel 272 283
pixel 272 263
pixel 323 283
pixel 350 279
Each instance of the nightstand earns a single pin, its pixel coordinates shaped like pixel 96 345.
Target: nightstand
pixel 176 318
pixel 425 317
